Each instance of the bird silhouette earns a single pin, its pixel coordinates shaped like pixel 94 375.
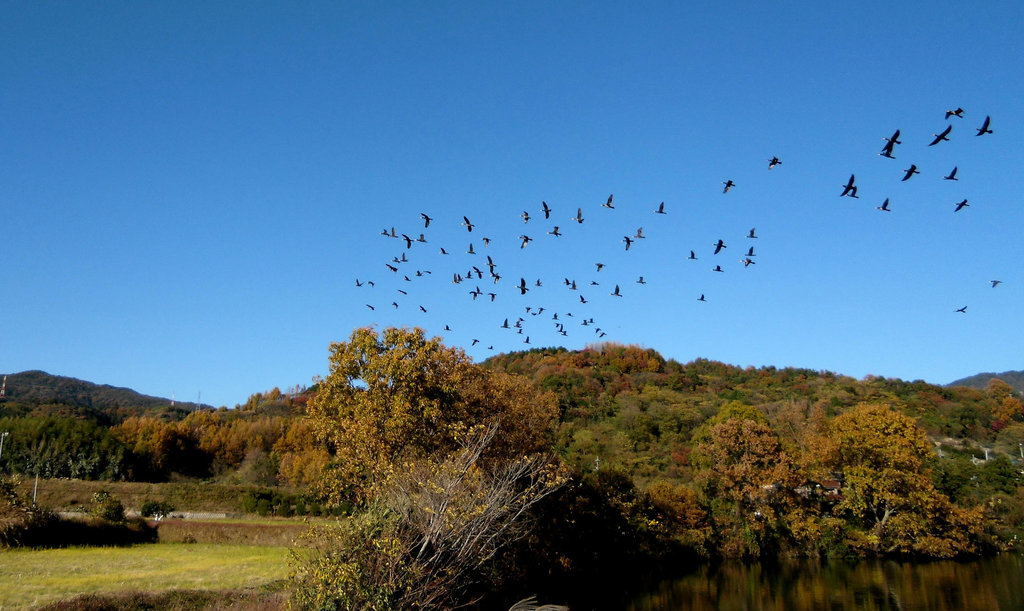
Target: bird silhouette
pixel 641 280
pixel 774 161
pixel 470 251
pixel 639 234
pixel 600 266
pixel 959 112
pixel 984 127
pixel 616 293
pixel 391 267
pixel 849 189
pixel 608 204
pixel 443 251
pixel 753 233
pixel 371 307
pixel 426 220
pixel 693 256
pixel 661 208
pixel 628 241
pixel 995 283
pixel 526 216
pixel 962 310
pixel 526 240
pixel 728 185
pixel 701 298
pixel 952 175
pixel 719 245
pixel 467 224
pixel 408 241
pixel 885 206
pixel 960 206
pixel 546 210
pixel 554 232
pixel 750 252
pixel 579 215
pixel 358 283
pixel 890 142
pixel 718 268
pixel 940 137
pixel 522 286
pixel 910 172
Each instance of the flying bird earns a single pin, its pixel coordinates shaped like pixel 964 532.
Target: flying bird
pixel 641 280
pixel 371 307
pixel 747 262
pixel 718 268
pixel 391 267
pixel 579 215
pixel 752 234
pixel 890 142
pixel 719 245
pixel 984 127
pixel 526 216
pixel 471 251
pixel 661 208
pixel 885 206
pixel 616 293
pixel 486 241
pixel 522 286
pixel 408 241
pixel 850 189
pixel 959 112
pixel 443 251
pixel 628 241
pixel 526 240
pixel 774 161
pixel 426 220
pixel 640 234
pixel 943 136
pixel 554 232
pixel 608 204
pixel 693 256
pixel 701 298
pixel 467 224
pixel 358 283
pixel 728 185
pixel 910 172
pixel 600 266
pixel 995 283
pixel 546 210
pixel 952 175
pixel 962 310
pixel 750 252
pixel 960 206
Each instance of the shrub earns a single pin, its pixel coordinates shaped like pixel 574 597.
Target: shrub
pixel 106 507
pixel 156 509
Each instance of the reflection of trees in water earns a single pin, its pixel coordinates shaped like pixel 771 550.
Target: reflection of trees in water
pixel 991 583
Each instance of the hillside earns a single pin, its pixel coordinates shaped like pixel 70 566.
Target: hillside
pixel 980 381
pixel 42 393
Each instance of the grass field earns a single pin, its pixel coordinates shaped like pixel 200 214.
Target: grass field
pixel 30 578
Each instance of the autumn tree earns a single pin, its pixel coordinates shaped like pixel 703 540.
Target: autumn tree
pixel 747 478
pixel 446 459
pixel 399 395
pixel 887 492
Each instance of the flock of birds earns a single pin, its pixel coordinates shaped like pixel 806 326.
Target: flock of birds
pixel 479 275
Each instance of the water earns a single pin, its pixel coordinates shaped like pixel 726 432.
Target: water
pixel 989 584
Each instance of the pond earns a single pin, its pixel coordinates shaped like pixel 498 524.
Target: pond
pixel 988 583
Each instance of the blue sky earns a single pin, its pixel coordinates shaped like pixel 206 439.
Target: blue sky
pixel 189 191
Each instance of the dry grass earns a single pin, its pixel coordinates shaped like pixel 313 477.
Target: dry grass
pixel 29 578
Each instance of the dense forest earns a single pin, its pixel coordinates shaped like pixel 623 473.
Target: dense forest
pixel 701 458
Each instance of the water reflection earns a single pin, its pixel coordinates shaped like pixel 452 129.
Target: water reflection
pixel 991 583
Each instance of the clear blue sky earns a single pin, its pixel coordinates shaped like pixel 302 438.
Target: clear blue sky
pixel 188 191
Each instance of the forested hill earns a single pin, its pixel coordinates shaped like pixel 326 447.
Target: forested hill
pixel 636 410
pixel 981 380
pixel 42 393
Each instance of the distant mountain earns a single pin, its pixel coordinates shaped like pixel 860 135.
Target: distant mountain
pixel 46 394
pixel 1013 378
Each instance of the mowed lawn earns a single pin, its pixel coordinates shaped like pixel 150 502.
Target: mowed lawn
pixel 34 577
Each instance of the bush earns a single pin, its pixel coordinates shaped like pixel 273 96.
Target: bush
pixel 156 509
pixel 106 507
